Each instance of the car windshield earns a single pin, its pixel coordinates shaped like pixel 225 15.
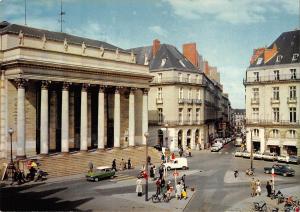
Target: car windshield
pixel 288 167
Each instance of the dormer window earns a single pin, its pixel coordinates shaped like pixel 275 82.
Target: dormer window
pixel 163 62
pixel 279 58
pixel 295 57
pixel 259 60
pixel 181 63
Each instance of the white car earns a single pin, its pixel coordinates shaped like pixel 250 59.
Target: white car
pixel 246 154
pixel 177 163
pixel 270 156
pixel 238 154
pixel 215 148
pixel 283 158
pixel 258 155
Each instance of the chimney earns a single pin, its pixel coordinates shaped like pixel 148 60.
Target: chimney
pixel 155 47
pixel 206 68
pixel 190 52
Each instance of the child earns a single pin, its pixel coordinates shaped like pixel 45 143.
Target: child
pixel 184 194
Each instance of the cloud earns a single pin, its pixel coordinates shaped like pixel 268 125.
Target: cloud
pixel 158 30
pixel 232 11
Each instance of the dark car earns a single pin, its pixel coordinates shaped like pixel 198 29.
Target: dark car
pixel 279 169
pixel 294 159
pixel 158 147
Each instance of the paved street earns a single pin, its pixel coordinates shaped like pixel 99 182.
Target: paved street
pixel 210 173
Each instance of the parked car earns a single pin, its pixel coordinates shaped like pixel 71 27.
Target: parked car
pixel 283 158
pixel 246 154
pixel 177 163
pixel 215 148
pixel 238 141
pixel 270 156
pixel 238 154
pixel 280 169
pixel 257 155
pixel 100 173
pixel 294 159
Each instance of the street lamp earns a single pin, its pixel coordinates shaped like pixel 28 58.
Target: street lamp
pixel 11 166
pixel 251 153
pixel 167 135
pixel 146 186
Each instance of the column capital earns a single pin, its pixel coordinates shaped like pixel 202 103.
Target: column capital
pixel 145 91
pixel 117 89
pixel 102 88
pixel 45 84
pixel 66 86
pixel 85 86
pixel 21 82
pixel 132 90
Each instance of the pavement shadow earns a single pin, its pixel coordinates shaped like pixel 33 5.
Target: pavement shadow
pixel 15 199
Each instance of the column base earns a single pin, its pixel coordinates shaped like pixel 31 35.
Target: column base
pixel 100 150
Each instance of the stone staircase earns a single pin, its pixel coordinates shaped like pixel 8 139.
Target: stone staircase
pixel 61 165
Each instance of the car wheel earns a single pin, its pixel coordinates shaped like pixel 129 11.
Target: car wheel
pixel 169 168
pixel 284 174
pixel 96 179
pixel 184 167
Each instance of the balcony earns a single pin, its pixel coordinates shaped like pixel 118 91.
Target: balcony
pixel 272 122
pixel 197 101
pixel 172 123
pixel 172 80
pixel 271 79
pixel 159 100
pixel 189 101
pixel 254 101
pixel 180 101
pixel 275 101
pixel 292 100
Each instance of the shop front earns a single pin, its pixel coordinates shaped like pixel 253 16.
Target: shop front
pixel 273 145
pixel 290 147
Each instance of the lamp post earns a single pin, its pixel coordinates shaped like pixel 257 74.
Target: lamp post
pixel 167 135
pixel 146 186
pixel 11 165
pixel 251 154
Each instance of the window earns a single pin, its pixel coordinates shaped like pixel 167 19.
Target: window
pixel 190 94
pixel 163 62
pixel 189 78
pixel 292 114
pixel 292 92
pixel 279 58
pixel 275 133
pixel 259 60
pixel 160 115
pixel 255 93
pixel 276 114
pixel 292 134
pixel 189 114
pixel 159 93
pixel 198 94
pixel 197 114
pixel 256 133
pixel 276 75
pixel 256 74
pixel 295 57
pixel 180 93
pixel 276 93
pixel 180 116
pixel 180 77
pixel 159 78
pixel 293 73
pixel 255 113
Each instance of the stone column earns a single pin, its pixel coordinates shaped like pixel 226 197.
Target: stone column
pixel 44 129
pixel 131 124
pixel 117 118
pixel 101 119
pixel 65 117
pixel 21 118
pixel 83 118
pixel 145 115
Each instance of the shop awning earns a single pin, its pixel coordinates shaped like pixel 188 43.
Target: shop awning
pixel 273 143
pixel 290 143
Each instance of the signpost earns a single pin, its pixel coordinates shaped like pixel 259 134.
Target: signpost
pixel 273 180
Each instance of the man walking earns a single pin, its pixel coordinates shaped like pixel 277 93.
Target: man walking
pixel 269 188
pixel 253 187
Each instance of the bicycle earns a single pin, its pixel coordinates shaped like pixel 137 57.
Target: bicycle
pixel 260 206
pixel 159 197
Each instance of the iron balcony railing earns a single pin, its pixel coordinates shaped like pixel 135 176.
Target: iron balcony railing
pixel 175 122
pixel 292 100
pixel 189 101
pixel 185 80
pixel 272 122
pixel 159 100
pixel 272 78
pixel 254 100
pixel 275 100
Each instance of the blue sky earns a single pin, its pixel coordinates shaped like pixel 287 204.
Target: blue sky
pixel 226 31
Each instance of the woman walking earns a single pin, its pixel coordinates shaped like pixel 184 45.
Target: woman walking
pixel 139 188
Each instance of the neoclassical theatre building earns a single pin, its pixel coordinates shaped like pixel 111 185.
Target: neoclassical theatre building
pixel 61 93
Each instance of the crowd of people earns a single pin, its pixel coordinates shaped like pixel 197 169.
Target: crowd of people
pixel 122 166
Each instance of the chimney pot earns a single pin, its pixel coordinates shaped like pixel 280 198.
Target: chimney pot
pixel 155 47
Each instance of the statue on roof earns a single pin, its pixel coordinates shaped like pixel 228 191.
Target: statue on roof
pixel 117 53
pixel 83 47
pixel 66 44
pixel 21 38
pixel 132 56
pixel 44 40
pixel 101 51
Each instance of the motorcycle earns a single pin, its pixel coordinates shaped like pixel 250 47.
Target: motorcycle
pixel 249 172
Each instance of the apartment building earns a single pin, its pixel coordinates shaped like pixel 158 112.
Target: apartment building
pixel 272 96
pixel 184 103
pixel 238 118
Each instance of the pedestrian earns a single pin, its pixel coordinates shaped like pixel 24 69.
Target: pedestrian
pixel 158 185
pixel 149 160
pixel 173 156
pixel 139 188
pixel 129 163
pixel 161 171
pixel 184 194
pixel 178 190
pixel 91 166
pixel 114 165
pixel 272 186
pixel 183 180
pixel 180 151
pixel 236 173
pixel 258 188
pixel 163 157
pixel 122 165
pixel 151 172
pixel 162 183
pixel 154 171
pixel 269 188
pixel 169 190
pixel 253 187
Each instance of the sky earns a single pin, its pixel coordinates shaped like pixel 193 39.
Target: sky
pixel 225 31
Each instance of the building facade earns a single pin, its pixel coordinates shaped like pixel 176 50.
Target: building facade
pixel 272 96
pixel 185 105
pixel 238 119
pixel 61 93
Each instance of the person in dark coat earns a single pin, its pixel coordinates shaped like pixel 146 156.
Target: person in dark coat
pixel 129 164
pixel 269 188
pixel 114 165
pixel 161 172
pixel 151 172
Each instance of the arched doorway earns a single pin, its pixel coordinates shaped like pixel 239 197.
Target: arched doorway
pixel 188 138
pixel 160 137
pixel 179 142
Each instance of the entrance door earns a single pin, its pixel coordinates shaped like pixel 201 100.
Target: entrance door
pixel 188 138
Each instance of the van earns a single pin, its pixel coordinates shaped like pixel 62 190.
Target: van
pixel 238 141
pixel 177 163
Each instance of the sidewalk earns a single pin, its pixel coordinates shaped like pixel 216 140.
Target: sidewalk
pixel 247 204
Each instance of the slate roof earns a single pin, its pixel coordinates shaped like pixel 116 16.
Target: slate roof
pixel 6 27
pixel 288 43
pixel 174 59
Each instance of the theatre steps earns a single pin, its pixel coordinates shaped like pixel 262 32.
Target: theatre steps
pixel 71 164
